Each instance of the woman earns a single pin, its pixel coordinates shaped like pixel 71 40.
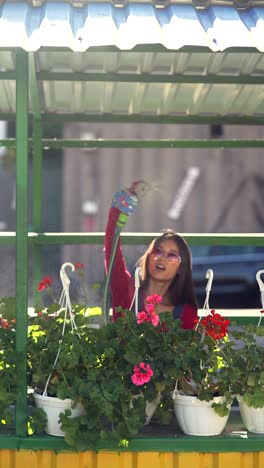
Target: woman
pixel 165 266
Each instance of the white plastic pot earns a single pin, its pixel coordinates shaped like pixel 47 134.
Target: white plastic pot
pixel 53 407
pixel 198 418
pixel 253 418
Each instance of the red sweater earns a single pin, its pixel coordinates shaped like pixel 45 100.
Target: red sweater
pixel 122 283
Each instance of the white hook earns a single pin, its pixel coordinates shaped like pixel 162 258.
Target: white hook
pixel 209 276
pixel 65 294
pixel 261 288
pixel 63 275
pixel 259 280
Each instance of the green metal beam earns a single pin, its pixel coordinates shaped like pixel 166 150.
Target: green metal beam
pixel 154 119
pixel 137 118
pixel 37 150
pixel 21 238
pixel 77 238
pixel 37 175
pixel 8 75
pixel 8 142
pixel 150 78
pixel 37 201
pixel 136 238
pixel 102 143
pixel 33 86
pixel 8 116
pixel 168 439
pixel 139 77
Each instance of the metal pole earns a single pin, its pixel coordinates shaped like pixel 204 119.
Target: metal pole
pixel 21 238
pixel 37 203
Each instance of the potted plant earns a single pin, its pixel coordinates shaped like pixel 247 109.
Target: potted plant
pixel 7 360
pixel 203 374
pixel 126 373
pixel 249 386
pixel 54 348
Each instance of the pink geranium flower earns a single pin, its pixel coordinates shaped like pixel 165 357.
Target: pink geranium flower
pixel 155 320
pixel 142 374
pixel 150 315
pixel 150 308
pixel 142 317
pixel 154 299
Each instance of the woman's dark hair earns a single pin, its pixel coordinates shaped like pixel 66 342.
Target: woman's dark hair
pixel 181 289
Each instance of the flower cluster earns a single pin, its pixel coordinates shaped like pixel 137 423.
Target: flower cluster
pixel 45 283
pixel 215 325
pixel 142 374
pixel 150 315
pixel 118 367
pixel 6 324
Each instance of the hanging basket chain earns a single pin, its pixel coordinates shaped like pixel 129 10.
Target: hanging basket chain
pixel 65 305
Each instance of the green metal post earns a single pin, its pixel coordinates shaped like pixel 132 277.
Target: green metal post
pixel 37 203
pixel 21 237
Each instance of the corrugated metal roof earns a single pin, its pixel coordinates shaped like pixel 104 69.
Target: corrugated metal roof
pixel 175 60
pixel 102 24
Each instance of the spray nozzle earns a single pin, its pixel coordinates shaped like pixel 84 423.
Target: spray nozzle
pixel 140 188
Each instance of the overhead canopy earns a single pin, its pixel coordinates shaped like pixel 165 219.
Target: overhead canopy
pixel 139 59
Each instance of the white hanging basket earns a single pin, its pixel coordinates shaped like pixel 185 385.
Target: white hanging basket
pixel 197 417
pixel 53 407
pixel 253 418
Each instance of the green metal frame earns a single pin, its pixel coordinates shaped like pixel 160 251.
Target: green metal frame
pixel 102 143
pixel 157 119
pixel 27 81
pixel 144 78
pixel 21 239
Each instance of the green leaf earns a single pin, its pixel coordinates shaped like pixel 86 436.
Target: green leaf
pixel 251 380
pixel 221 409
pixel 8 308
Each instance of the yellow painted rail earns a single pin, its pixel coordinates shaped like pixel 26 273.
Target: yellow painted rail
pixel 49 459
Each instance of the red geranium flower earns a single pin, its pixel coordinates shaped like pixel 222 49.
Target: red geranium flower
pixel 78 265
pixel 215 325
pixel 44 283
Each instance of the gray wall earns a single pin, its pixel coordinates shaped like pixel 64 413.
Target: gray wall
pixel 227 196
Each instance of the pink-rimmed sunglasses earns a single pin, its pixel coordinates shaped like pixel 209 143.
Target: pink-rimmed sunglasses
pixel 171 257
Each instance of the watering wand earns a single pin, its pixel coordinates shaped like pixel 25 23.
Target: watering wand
pixel 126 201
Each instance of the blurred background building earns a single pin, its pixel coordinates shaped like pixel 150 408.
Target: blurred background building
pixel 194 190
